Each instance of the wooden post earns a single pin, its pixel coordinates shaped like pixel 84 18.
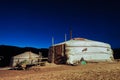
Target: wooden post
pixel 65 37
pixel 40 57
pixel 53 51
pixel 62 49
pixel 70 33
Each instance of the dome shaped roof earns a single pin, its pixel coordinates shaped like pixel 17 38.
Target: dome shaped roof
pixel 84 42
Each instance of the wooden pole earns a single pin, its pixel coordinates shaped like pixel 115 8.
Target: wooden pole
pixel 53 52
pixel 65 37
pixel 70 33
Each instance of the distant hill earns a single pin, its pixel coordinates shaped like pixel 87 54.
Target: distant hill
pixel 9 51
pixel 116 53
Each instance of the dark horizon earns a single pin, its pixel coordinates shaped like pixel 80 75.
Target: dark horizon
pixel 7 52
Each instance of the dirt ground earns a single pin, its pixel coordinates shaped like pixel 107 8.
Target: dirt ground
pixel 90 71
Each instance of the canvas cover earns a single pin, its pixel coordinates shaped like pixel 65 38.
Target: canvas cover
pixel 28 56
pixel 90 50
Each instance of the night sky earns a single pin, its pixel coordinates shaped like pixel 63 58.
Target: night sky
pixel 32 23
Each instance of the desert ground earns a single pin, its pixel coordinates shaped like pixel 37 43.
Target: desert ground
pixel 90 71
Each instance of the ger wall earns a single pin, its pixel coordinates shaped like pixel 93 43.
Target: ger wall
pixel 73 50
pixel 90 53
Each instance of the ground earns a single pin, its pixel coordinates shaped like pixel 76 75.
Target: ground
pixel 90 71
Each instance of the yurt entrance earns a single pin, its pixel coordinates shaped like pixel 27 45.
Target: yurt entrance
pixel 57 54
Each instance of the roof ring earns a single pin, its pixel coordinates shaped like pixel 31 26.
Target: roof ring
pixel 78 38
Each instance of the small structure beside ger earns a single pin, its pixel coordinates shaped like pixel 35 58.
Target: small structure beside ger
pixel 74 50
pixel 28 56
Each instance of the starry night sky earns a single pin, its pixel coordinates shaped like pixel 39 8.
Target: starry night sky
pixel 32 23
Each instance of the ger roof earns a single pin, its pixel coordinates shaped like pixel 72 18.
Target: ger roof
pixel 26 55
pixel 83 42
